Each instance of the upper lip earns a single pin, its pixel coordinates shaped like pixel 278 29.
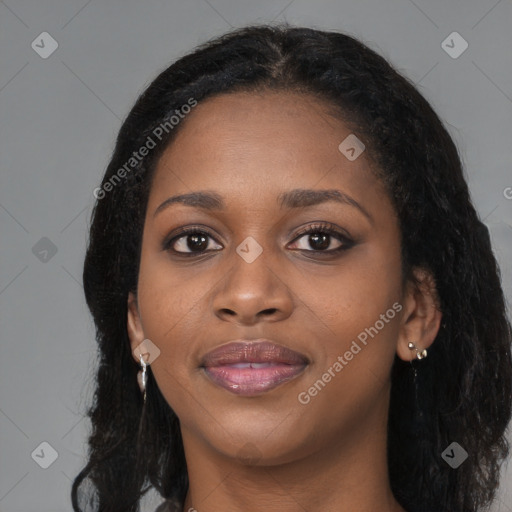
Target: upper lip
pixel 252 351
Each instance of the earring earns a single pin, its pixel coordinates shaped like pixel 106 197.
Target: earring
pixel 142 377
pixel 420 354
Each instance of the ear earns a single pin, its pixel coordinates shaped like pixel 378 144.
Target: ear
pixel 134 325
pixel 421 317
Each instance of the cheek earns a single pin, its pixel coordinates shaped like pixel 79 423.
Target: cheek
pixel 170 309
pixel 171 317
pixel 361 306
pixel 346 301
pixel 360 312
pixel 164 304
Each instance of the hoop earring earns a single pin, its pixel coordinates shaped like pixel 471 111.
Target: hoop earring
pixel 142 377
pixel 420 354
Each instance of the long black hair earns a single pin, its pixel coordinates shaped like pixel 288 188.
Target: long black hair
pixel 462 391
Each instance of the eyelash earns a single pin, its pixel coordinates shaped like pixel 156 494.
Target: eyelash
pixel 320 228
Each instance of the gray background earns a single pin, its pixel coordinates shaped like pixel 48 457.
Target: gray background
pixel 60 117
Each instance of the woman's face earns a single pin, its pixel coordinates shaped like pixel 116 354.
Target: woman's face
pixel 333 296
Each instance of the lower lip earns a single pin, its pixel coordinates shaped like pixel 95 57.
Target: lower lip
pixel 252 381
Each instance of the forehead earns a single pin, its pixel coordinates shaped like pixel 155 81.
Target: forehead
pixel 248 145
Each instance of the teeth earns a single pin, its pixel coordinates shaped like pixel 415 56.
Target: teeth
pixel 251 365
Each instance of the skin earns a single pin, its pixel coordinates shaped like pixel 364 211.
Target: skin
pixel 271 452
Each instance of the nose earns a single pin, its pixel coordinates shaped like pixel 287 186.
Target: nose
pixel 252 293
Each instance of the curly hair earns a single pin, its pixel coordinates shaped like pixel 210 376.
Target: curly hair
pixel 462 392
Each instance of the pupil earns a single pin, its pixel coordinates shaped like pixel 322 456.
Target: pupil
pixel 198 242
pixel 313 239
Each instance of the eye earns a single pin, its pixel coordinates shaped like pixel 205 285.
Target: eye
pixel 318 238
pixel 321 238
pixel 191 241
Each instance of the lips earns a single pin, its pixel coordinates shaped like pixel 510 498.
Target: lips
pixel 252 367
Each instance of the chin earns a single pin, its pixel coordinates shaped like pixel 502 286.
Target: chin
pixel 262 443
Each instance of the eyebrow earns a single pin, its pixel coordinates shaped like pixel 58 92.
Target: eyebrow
pixel 298 198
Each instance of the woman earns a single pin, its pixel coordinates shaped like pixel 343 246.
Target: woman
pixel 297 306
